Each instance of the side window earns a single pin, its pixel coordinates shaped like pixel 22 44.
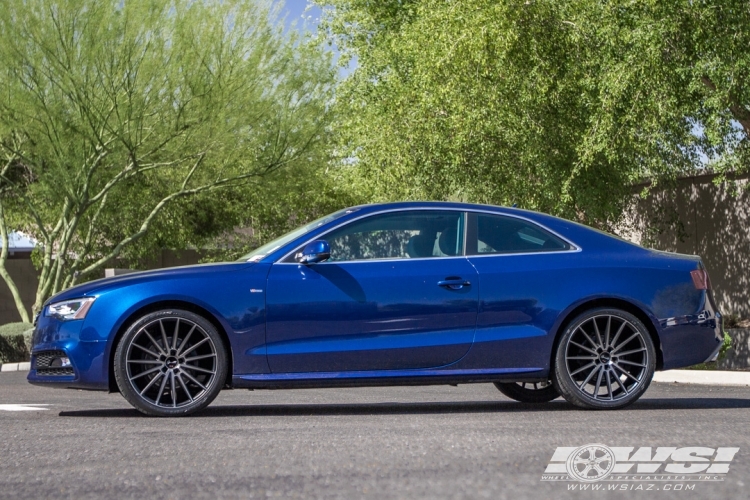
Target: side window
pixel 496 234
pixel 399 235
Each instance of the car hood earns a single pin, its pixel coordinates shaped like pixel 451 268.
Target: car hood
pixel 97 286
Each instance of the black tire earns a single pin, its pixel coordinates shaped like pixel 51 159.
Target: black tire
pixel 170 363
pixel 528 392
pixel 605 360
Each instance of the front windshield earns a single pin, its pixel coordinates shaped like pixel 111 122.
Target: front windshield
pixel 274 245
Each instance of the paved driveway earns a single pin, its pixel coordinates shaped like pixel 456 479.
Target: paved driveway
pixel 403 442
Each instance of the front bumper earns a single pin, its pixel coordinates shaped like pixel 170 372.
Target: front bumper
pixel 54 338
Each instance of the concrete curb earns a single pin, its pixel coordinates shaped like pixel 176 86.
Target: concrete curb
pixel 15 367
pixel 703 377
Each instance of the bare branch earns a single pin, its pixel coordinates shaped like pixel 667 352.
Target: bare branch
pixel 192 171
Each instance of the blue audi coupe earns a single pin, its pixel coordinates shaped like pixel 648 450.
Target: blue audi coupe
pixel 393 294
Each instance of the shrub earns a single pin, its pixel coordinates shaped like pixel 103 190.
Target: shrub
pixel 15 342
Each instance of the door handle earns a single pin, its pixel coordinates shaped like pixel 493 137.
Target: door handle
pixel 454 283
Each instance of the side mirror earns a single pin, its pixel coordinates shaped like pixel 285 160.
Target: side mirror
pixel 316 251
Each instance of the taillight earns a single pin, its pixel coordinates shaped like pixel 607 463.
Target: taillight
pixel 701 279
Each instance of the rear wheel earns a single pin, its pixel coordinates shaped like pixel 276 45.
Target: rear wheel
pixel 528 392
pixel 170 363
pixel 605 360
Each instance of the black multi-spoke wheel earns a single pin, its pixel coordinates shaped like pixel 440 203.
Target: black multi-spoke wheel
pixel 605 360
pixel 528 392
pixel 170 363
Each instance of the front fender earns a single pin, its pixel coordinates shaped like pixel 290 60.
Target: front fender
pixel 235 299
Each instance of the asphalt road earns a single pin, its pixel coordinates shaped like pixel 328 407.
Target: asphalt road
pixel 399 442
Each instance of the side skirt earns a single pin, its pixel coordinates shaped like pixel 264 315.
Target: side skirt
pixel 385 378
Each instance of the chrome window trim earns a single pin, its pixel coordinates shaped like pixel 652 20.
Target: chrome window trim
pixel 362 261
pixel 552 252
pixel 574 247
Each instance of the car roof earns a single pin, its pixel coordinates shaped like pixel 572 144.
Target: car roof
pixel 557 224
pixel 448 205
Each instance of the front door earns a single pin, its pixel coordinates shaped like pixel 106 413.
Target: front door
pixel 396 294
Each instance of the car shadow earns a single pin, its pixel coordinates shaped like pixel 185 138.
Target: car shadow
pixel 291 410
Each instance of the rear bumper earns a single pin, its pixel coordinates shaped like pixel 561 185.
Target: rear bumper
pixel 689 340
pixel 714 356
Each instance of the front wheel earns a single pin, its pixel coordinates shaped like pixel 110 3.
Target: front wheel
pixel 170 363
pixel 605 360
pixel 528 392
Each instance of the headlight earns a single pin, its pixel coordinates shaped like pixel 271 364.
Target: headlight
pixel 70 309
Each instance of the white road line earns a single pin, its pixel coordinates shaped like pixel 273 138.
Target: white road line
pixel 23 407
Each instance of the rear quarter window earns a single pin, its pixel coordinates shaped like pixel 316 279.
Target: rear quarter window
pixel 497 234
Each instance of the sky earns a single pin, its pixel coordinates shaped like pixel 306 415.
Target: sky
pixel 19 241
pixel 297 10
pixel 301 13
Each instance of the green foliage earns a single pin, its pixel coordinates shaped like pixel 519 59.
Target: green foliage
pixel 125 126
pixel 555 106
pixel 287 201
pixel 15 342
pixel 725 346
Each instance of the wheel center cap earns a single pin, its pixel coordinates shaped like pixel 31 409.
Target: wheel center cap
pixel 605 357
pixel 171 362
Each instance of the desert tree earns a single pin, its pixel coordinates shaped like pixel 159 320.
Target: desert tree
pixel 116 116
